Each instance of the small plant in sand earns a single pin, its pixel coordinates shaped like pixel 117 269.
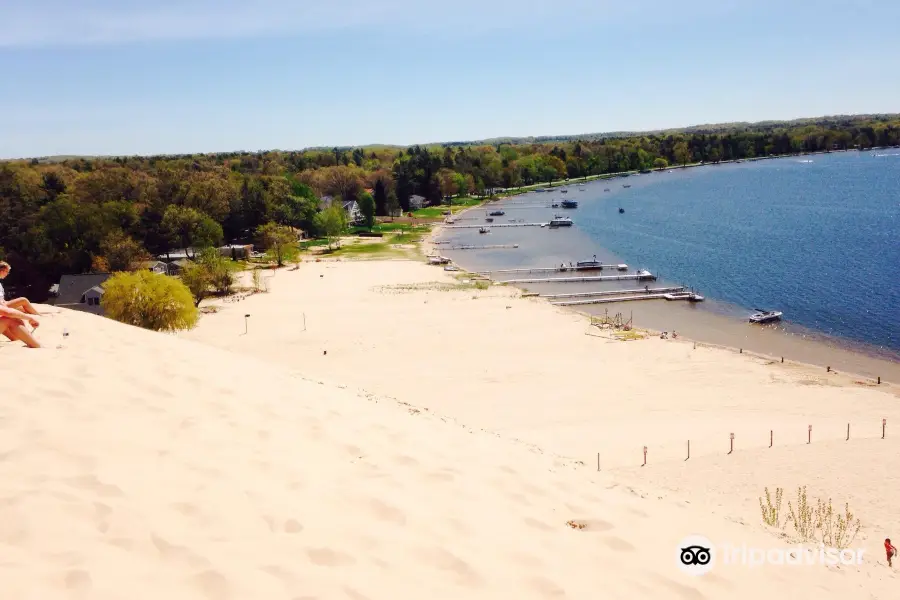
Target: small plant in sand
pixel 837 530
pixel 802 516
pixel 771 512
pixel 822 523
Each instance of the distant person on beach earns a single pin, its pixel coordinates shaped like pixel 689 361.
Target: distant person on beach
pixel 21 304
pixel 11 321
pixel 890 550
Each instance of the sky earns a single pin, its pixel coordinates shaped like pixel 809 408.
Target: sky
pixel 121 77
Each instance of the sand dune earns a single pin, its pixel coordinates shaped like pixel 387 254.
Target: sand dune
pixel 141 465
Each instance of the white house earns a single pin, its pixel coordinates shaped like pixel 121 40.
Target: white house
pixel 81 292
pixel 354 215
pixel 416 202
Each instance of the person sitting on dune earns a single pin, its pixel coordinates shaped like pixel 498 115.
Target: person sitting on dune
pixel 11 321
pixel 21 304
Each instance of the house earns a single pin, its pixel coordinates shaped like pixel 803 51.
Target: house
pixel 416 202
pixel 176 266
pixel 354 215
pixel 325 202
pixel 81 292
pixel 155 266
pixel 236 251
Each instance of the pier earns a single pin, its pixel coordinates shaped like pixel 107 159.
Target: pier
pixel 642 276
pixel 490 225
pixel 489 247
pixel 630 298
pixel 559 269
pixel 659 290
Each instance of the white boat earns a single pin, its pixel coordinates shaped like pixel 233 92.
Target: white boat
pixel 560 221
pixel 484 230
pixel 696 298
pixel 765 316
pixel 451 268
pixel 677 296
pixel 438 260
pixel 622 267
pixel 645 274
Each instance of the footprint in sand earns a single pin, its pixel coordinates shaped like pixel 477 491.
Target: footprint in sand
pixel 326 557
pixel 78 580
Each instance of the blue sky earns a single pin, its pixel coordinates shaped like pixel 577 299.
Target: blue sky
pixel 138 77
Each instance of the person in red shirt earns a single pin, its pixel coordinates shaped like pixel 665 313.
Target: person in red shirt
pixel 890 550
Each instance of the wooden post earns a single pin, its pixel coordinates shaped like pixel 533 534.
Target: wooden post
pixel 848 432
pixel 782 359
pixel 304 321
pixel 883 427
pixel 809 435
pixel 645 457
pixel 246 317
pixel 742 351
pixel 598 461
pixel 828 369
pixel 771 438
pixel 689 450
pixel 879 380
pixel 731 438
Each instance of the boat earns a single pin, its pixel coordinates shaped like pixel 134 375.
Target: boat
pixel 561 221
pixel 569 204
pixel 438 260
pixel 696 297
pixel 489 219
pixel 622 267
pixel 483 230
pixel 496 213
pixel 451 268
pixel 589 264
pixel 677 296
pixel 645 274
pixel 621 210
pixel 606 190
pixel 554 205
pixel 626 186
pixel 765 316
pixel 564 191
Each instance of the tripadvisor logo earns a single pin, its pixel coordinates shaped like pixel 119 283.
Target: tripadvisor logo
pixel 697 555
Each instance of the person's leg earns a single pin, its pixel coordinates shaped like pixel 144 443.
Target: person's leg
pixel 14 331
pixel 24 305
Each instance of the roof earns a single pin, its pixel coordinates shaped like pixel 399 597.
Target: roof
pixel 416 196
pixel 73 287
pixel 348 205
pixel 97 289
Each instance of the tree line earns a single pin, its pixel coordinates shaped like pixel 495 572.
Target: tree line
pixel 108 214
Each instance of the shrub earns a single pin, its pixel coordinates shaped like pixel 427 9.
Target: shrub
pixel 802 516
pixel 771 513
pixel 149 300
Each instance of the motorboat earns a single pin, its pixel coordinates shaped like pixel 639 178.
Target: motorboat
pixel 765 316
pixel 438 260
pixel 451 268
pixel 484 230
pixel 569 204
pixel 564 191
pixel 645 274
pixel 621 211
pixel 489 219
pixel 560 221
pixel 589 264
pixel 622 267
pixel 554 205
pixel 677 296
pixel 695 297
pixel 626 186
pixel 606 189
pixel 496 213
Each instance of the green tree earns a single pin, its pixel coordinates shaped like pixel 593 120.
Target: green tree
pixel 198 281
pixel 278 240
pixel 219 269
pixel 191 228
pixel 381 203
pixel 121 252
pixel 149 300
pixel 660 163
pixel 367 208
pixel 682 154
pixel 331 223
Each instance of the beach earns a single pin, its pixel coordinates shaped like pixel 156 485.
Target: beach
pixel 386 430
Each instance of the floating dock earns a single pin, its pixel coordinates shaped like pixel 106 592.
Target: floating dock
pixel 643 276
pixel 659 290
pixel 495 225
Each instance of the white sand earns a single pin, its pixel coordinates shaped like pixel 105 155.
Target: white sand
pixel 140 465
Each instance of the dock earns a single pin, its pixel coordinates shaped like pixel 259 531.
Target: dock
pixel 630 298
pixel 558 269
pixel 492 225
pixel 489 247
pixel 634 277
pixel 659 290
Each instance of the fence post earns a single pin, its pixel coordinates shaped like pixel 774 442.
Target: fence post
pixel 731 442
pixel 771 438
pixel 809 435
pixel 689 450
pixel 883 427
pixel 848 432
pixel 598 461
pixel 645 457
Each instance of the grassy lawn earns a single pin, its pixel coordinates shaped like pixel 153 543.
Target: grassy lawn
pixel 456 205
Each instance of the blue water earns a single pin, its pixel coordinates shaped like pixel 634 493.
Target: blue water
pixel 817 240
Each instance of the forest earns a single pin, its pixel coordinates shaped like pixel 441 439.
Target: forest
pixel 80 214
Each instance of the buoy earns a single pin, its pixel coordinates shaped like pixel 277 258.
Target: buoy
pixel 621 210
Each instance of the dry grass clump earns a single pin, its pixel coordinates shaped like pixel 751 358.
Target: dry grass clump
pixel 822 523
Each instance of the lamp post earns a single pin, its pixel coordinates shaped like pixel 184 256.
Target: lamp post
pixel 246 320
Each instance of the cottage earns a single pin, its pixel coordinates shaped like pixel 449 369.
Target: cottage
pixel 236 251
pixel 416 202
pixel 155 266
pixel 177 266
pixel 81 292
pixel 354 214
